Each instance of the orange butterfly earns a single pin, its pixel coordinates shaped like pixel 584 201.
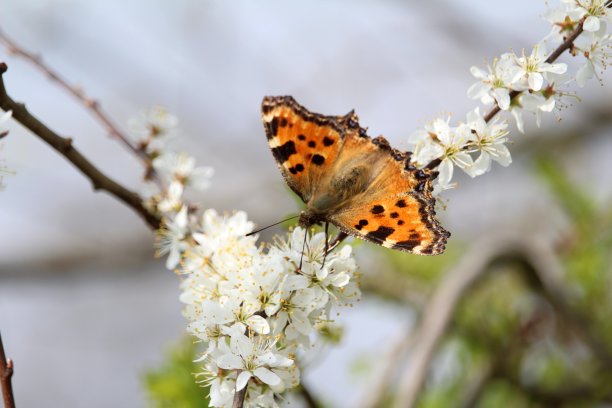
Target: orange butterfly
pixel 361 185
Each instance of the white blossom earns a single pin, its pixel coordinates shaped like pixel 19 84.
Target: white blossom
pixel 531 69
pixel 153 127
pixel 180 168
pixel 171 238
pixel 489 141
pixel 495 82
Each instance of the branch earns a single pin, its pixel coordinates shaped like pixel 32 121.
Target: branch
pixel 6 373
pixel 91 104
pixel 65 147
pixel 239 396
pixel 567 44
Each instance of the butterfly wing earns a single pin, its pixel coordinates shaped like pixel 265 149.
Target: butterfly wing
pixel 397 209
pixel 304 144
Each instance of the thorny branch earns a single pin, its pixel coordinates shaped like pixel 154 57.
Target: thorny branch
pixel 65 147
pixel 91 104
pixel 6 373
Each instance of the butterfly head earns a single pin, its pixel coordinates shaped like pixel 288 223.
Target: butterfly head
pixel 309 218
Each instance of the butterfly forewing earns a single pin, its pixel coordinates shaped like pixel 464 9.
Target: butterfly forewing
pixel 305 145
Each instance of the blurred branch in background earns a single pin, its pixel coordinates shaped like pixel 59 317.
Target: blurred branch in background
pixel 526 319
pixel 65 147
pixel 6 374
pixel 91 104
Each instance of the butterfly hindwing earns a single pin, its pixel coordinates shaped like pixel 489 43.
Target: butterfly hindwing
pixel 405 222
pixel 304 144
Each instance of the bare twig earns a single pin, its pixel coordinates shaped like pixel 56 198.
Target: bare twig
pixel 567 44
pixel 239 396
pixel 6 373
pixel 91 104
pixel 65 147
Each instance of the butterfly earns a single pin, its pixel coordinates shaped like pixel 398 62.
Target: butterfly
pixel 361 185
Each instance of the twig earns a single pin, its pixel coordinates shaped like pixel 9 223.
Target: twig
pixel 6 373
pixel 65 147
pixel 239 396
pixel 91 104
pixel 567 44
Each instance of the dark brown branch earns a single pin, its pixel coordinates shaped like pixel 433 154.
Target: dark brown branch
pixel 567 44
pixel 239 396
pixel 65 147
pixel 6 373
pixel 91 104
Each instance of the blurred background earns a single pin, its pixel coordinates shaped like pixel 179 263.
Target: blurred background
pixel 91 319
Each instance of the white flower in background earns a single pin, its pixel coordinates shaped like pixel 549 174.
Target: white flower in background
pixel 153 127
pixel 597 54
pixel 494 83
pixel 595 12
pixel 533 68
pixel 179 167
pixel 171 199
pixel 490 141
pixel 453 143
pixel 171 238
pixel 253 358
pixel 564 18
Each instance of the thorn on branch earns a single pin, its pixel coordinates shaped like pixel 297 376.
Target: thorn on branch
pixel 67 144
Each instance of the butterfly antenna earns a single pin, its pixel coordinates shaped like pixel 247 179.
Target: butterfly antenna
pixel 326 245
pixel 303 247
pixel 276 223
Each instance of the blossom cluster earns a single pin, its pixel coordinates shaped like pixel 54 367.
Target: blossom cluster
pixel 4 170
pixel 257 308
pixel 528 82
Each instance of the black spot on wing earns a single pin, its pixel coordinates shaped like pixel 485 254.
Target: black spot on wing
pixel 272 128
pixel 283 122
pixel 381 234
pixel 327 141
pixel 377 209
pixel 400 203
pixel 312 144
pixel 282 153
pixel 301 137
pixel 394 215
pixel 318 159
pixel 407 245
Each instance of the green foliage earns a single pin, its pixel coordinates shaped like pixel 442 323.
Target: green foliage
pixel 172 385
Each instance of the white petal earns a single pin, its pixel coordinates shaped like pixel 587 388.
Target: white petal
pixel 341 279
pixel 502 97
pixel 446 172
pixel 558 68
pixel 591 24
pixel 258 324
pixel 535 81
pixel 477 72
pixel 502 155
pixel 173 258
pixel 181 218
pixel 518 116
pixel 230 362
pixel 585 72
pixel 267 376
pixel 300 321
pixel 477 90
pixel 548 105
pixel 241 344
pixel 482 164
pixel 243 379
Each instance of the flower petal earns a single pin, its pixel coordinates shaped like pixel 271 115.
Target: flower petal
pixel 266 376
pixel 243 379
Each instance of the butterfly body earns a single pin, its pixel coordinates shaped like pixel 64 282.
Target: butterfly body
pixel 361 185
